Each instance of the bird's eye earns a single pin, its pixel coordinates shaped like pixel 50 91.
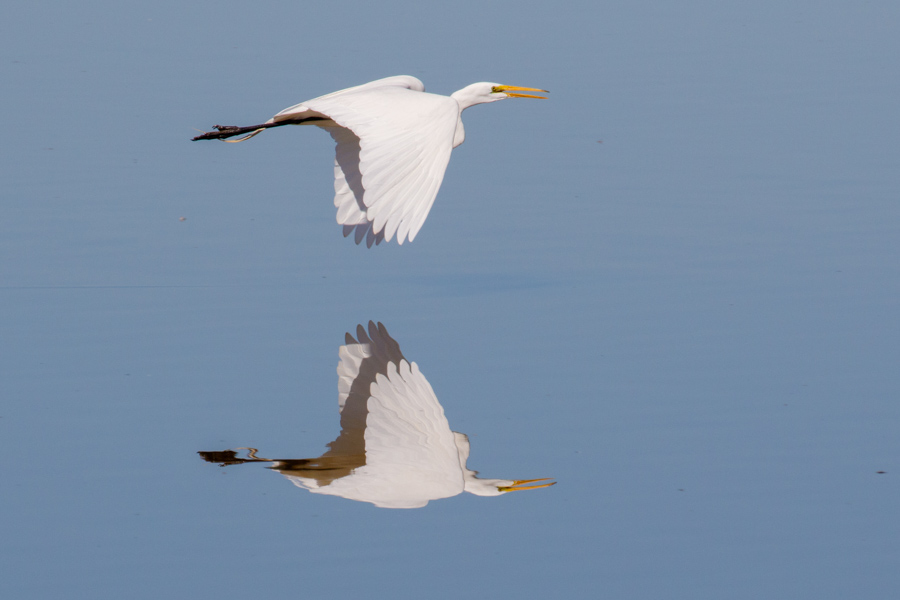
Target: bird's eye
pixel 496 89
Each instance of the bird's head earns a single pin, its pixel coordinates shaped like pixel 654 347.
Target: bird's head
pixel 485 91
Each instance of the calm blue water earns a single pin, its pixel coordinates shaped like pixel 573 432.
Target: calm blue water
pixel 672 287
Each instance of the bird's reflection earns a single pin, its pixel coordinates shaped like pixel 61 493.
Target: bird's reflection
pixel 395 449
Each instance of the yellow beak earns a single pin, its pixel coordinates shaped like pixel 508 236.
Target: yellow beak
pixel 505 89
pixel 519 485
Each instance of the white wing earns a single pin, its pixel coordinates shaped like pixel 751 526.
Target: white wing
pixel 411 454
pixel 348 190
pixel 393 145
pixel 408 436
pixel 362 359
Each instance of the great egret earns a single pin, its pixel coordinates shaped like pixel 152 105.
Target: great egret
pixel 393 145
pixel 395 449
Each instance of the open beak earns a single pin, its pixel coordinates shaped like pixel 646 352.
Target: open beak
pixel 507 89
pixel 519 485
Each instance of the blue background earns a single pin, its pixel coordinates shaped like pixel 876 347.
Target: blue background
pixel 672 287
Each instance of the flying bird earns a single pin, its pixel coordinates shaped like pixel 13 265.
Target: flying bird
pixel 395 449
pixel 393 145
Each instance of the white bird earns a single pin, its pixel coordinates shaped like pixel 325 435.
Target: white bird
pixel 395 449
pixel 393 145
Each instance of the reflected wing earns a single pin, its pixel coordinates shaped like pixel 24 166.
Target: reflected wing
pixel 410 453
pixel 410 450
pixel 390 162
pixel 362 359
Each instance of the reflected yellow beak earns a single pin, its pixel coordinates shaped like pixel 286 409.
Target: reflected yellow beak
pixel 506 89
pixel 519 485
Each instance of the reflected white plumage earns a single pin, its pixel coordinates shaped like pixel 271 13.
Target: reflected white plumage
pixel 395 449
pixel 393 144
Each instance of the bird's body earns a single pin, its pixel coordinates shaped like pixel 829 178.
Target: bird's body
pixel 393 144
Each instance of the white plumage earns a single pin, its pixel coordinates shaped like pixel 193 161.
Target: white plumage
pixel 393 143
pixel 395 449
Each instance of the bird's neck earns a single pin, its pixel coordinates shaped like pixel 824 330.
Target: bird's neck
pixel 460 135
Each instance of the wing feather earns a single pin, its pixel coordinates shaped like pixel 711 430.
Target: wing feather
pixel 407 433
pixel 347 178
pixel 393 144
pixel 364 357
pixel 384 213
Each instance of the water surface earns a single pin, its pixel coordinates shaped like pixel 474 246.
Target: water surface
pixel 672 288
